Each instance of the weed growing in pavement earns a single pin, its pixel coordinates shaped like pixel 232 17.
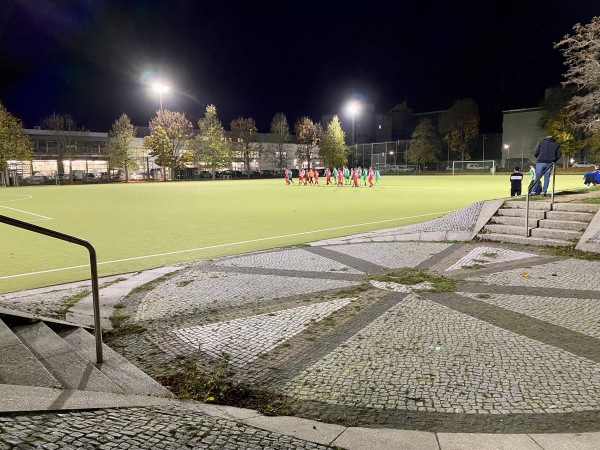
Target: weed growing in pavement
pixel 411 276
pixel 353 290
pixel 150 285
pixel 570 252
pixel 110 283
pixel 121 326
pixel 472 266
pixel 69 302
pixel 216 384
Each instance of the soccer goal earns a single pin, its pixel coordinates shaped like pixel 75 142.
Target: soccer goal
pixel 485 166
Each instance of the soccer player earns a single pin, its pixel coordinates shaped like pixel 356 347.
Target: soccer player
pixel 316 177
pixel 287 176
pixel 301 177
pixel 377 176
pixel 328 176
pixel 340 176
pixel 371 175
pixel 355 177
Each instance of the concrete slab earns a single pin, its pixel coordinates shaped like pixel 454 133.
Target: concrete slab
pixel 568 441
pixel 225 412
pixel 488 209
pixel 82 312
pixel 461 441
pixel 309 430
pixel 31 398
pixel 385 439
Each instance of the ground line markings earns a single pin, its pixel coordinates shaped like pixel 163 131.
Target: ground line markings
pixel 230 244
pixel 27 212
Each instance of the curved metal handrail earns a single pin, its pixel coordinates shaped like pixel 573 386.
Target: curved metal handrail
pixel 537 180
pixel 93 269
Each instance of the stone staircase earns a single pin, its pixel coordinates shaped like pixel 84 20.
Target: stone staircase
pixel 55 354
pixel 550 224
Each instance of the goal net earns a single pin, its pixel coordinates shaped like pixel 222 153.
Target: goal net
pixel 485 166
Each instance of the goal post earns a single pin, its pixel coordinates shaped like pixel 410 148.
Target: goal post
pixel 483 166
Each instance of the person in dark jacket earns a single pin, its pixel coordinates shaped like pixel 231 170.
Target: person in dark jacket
pixel 547 151
pixel 516 178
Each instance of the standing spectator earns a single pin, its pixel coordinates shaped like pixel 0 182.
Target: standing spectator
pixel 516 178
pixel 592 177
pixel 547 151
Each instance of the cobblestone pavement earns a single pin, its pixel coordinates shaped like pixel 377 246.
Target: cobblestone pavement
pixel 138 428
pixel 514 349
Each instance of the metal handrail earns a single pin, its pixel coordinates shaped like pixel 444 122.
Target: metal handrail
pixel 93 269
pixel 536 181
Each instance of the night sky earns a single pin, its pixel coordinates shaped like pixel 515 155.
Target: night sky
pixel 94 59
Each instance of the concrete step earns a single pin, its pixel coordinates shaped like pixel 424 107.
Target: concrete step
pixel 18 365
pixel 565 235
pixel 572 225
pixel 516 204
pixel 514 221
pixel 505 229
pixel 516 212
pixel 127 376
pixel 576 207
pixel 570 215
pixel 62 361
pixel 513 239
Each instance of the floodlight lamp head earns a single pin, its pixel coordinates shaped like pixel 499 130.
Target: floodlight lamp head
pixel 160 88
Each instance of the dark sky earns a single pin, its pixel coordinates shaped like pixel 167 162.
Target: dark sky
pixel 93 59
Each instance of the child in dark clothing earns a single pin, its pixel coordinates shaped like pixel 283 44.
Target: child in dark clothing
pixel 516 179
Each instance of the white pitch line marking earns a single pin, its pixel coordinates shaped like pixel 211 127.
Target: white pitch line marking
pixel 27 212
pixel 230 244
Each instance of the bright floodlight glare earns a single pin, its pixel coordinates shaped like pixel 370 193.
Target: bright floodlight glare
pixel 353 107
pixel 160 88
pixel 506 146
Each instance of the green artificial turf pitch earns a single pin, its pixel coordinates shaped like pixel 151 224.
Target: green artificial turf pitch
pixel 138 226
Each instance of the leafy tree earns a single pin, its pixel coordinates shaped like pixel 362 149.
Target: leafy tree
pixel 211 144
pixel 121 152
pixel 68 136
pixel 460 127
pixel 582 54
pixel 308 135
pixel 560 126
pixel 280 131
pixel 14 143
pixel 243 133
pixel 425 145
pixel 170 135
pixel 333 150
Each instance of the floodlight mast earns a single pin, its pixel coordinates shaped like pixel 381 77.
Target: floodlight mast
pixel 160 89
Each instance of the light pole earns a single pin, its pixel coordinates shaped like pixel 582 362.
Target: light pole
pixel 507 148
pixel 353 107
pixel 160 89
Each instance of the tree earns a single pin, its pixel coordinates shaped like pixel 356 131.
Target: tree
pixel 582 54
pixel 332 149
pixel 308 135
pixel 425 145
pixel 280 131
pixel 170 135
pixel 14 143
pixel 120 146
pixel 243 132
pixel 69 137
pixel 211 144
pixel 460 127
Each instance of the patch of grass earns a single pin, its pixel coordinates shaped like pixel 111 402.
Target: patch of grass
pixel 69 302
pixel 217 385
pixel 570 252
pixel 150 285
pixel 592 201
pixel 110 283
pixel 411 276
pixel 353 290
pixel 490 254
pixel 481 295
pixel 472 266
